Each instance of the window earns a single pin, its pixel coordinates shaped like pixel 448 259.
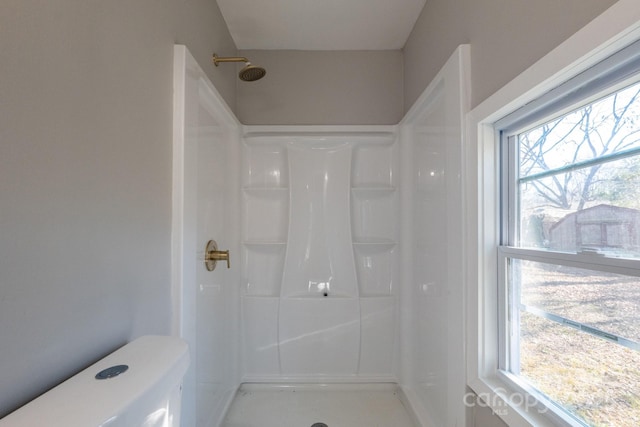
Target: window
pixel 569 256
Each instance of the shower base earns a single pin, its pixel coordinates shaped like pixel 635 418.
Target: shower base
pixel 306 405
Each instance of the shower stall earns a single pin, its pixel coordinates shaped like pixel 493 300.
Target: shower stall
pixel 345 246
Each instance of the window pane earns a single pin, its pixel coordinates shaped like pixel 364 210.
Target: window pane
pixel 607 219
pixel 576 333
pixel 604 301
pixel 579 179
pixel 604 127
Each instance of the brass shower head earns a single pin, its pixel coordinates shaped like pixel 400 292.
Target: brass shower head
pixel 249 73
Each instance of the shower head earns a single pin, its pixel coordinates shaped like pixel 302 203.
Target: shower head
pixel 249 73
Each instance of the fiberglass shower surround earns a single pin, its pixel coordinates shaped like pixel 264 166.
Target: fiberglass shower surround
pixel 320 232
pixel 345 246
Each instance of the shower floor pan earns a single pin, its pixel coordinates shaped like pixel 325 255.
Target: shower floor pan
pixel 311 405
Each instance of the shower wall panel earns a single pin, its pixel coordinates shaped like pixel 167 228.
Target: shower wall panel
pixel 433 239
pixel 206 156
pixel 320 264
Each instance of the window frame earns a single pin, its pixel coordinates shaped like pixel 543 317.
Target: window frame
pixel 615 29
pixel 614 73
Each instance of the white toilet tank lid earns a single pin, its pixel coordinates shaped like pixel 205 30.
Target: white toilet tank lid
pixel 83 400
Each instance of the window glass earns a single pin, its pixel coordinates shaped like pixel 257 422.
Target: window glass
pixel 578 185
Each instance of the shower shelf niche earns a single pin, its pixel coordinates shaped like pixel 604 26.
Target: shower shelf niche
pixel 262 269
pixel 265 166
pixel 265 218
pixel 266 215
pixel 375 267
pixel 374 218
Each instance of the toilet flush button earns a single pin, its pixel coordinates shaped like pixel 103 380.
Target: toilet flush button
pixel 111 372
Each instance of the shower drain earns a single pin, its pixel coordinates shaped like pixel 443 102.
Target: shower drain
pixel 319 425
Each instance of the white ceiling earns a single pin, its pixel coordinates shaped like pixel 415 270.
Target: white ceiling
pixel 320 24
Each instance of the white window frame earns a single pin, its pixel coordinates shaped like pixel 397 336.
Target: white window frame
pixel 609 33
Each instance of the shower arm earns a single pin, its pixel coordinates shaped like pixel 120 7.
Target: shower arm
pixel 249 73
pixel 217 59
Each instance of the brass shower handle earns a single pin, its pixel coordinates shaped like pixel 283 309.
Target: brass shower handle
pixel 212 255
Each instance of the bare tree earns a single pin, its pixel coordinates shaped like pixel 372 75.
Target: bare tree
pixel 560 159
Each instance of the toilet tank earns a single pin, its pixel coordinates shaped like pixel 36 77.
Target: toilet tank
pixel 148 393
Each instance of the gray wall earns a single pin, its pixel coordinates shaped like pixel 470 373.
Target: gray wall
pixel 506 37
pixel 319 87
pixel 85 177
pixel 315 87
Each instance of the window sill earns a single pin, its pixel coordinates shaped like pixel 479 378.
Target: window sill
pixel 511 404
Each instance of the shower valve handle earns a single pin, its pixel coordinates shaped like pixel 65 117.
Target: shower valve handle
pixel 212 255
